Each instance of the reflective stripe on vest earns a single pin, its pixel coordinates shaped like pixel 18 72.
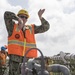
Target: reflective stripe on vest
pixel 21 43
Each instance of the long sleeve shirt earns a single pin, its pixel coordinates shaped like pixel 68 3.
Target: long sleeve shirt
pixel 9 16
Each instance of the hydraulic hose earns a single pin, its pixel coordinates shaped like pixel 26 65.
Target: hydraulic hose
pixel 59 68
pixel 42 62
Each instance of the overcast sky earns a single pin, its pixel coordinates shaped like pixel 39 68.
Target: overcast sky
pixel 59 13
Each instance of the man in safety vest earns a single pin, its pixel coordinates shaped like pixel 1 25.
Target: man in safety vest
pixel 3 55
pixel 21 37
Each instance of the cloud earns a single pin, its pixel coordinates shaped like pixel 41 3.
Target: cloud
pixel 59 13
pixel 5 6
pixel 68 6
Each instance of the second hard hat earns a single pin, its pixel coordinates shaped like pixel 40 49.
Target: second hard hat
pixel 3 48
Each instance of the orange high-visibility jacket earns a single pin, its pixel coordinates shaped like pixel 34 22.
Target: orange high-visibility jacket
pixel 19 42
pixel 2 58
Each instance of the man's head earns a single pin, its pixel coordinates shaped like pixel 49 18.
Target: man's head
pixel 23 14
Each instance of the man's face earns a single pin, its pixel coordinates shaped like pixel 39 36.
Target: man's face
pixel 24 18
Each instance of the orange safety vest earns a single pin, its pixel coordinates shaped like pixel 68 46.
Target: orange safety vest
pixel 18 45
pixel 2 59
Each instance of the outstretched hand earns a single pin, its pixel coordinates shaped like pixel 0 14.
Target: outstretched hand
pixel 40 12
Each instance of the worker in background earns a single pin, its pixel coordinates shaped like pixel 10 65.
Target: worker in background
pixel 3 55
pixel 21 37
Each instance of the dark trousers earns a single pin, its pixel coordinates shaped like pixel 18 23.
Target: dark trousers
pixel 2 70
pixel 14 68
pixel 14 64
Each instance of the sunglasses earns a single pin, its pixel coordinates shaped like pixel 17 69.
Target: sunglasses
pixel 23 17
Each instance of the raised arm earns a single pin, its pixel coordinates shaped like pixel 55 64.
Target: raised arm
pixel 8 18
pixel 44 24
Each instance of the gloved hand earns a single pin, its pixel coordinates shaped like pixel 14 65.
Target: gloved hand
pixel 40 12
pixel 20 23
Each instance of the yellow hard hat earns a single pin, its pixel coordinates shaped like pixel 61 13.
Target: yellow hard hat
pixel 22 11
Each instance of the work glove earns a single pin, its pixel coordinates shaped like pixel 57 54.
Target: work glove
pixel 40 12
